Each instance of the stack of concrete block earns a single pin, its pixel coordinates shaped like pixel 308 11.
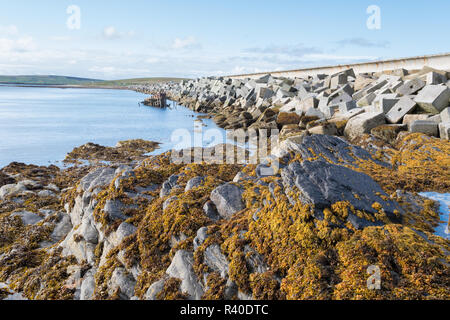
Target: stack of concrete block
pixel 418 101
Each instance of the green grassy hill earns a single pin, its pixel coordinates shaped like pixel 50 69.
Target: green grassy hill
pixel 46 80
pixel 62 80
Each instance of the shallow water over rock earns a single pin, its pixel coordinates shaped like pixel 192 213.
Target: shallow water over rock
pixel 444 208
pixel 41 125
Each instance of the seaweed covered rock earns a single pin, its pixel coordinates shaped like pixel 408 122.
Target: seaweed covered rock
pixel 322 184
pixel 310 230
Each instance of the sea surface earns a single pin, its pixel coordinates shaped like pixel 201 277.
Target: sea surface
pixel 444 210
pixel 41 125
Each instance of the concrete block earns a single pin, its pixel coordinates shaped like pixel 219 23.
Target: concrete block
pixel 433 98
pixel 404 106
pixel 436 118
pixel 338 80
pixel 264 79
pixel 410 118
pixel 366 100
pixel 285 94
pixel 396 85
pixel 347 106
pixel 341 98
pixel 445 115
pixel 310 102
pixel 425 126
pixel 385 102
pixel 435 78
pixel 362 82
pixel 444 130
pixel 264 93
pixel 329 111
pixel 352 113
pixel 363 123
pixel 411 87
pixel 325 129
pixel 311 112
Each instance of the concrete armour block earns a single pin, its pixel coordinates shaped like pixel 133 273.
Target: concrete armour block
pixel 425 126
pixel 363 123
pixel 411 87
pixel 436 118
pixel 404 106
pixel 445 115
pixel 366 100
pixel 410 118
pixel 444 130
pixel 347 106
pixel 435 78
pixel 385 102
pixel 342 98
pixel 352 113
pixel 433 98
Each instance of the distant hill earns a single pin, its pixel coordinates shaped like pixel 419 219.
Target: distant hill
pixel 47 80
pixel 63 80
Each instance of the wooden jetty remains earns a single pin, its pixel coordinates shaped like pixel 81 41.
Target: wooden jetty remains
pixel 157 100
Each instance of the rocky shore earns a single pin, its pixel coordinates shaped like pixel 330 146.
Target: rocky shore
pixel 354 152
pixel 152 229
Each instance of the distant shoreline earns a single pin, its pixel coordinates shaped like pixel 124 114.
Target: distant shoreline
pixel 62 86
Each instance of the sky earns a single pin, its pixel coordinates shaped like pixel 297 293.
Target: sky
pixel 194 38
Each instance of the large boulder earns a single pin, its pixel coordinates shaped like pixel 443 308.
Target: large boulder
pixel 228 199
pixel 322 184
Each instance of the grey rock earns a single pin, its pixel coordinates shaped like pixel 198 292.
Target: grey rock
pixel 87 288
pixel 194 183
pixel 211 211
pixel 182 268
pixel 216 260
pixel 114 209
pixel 155 289
pixel 228 200
pixel 202 235
pixel 167 203
pixel 321 184
pixel 28 218
pixel 168 185
pixel 97 178
pixel 45 193
pixel 62 227
pixel 123 231
pixel 123 281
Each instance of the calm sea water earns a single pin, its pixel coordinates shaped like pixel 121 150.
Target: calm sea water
pixel 41 125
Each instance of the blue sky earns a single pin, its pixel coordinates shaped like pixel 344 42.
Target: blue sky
pixel 137 38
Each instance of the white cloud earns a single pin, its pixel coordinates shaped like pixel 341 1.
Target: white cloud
pixel 60 38
pixel 186 43
pixel 10 30
pixel 22 44
pixel 111 32
pixel 152 60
